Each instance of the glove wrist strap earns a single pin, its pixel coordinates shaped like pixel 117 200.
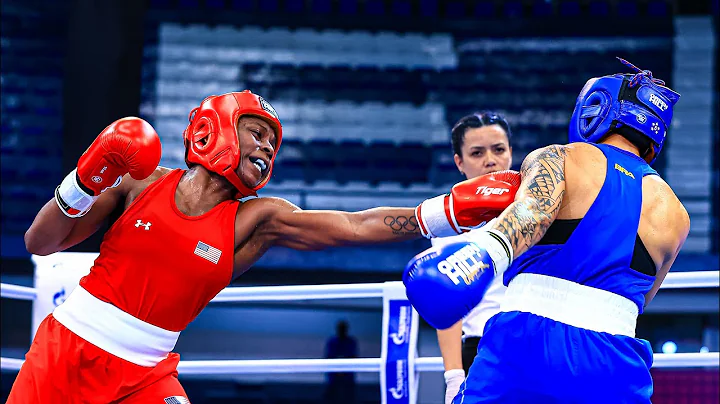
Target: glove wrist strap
pixel 497 246
pixel 71 198
pixel 435 219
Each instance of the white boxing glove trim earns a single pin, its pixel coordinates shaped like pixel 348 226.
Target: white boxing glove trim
pixel 451 205
pixel 432 216
pixel 71 199
pixel 497 246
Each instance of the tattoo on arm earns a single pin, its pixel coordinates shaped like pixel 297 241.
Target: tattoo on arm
pixel 402 225
pixel 539 198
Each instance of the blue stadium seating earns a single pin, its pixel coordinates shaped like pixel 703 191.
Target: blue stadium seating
pixel 32 57
pixel 357 107
pixel 386 117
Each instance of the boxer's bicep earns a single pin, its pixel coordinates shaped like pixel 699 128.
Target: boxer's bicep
pixel 659 278
pixel 314 230
pixel 681 223
pixel 538 200
pixel 287 225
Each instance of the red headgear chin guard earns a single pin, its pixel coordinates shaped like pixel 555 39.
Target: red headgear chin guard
pixel 211 138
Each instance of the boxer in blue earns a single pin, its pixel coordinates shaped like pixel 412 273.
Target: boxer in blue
pixel 584 247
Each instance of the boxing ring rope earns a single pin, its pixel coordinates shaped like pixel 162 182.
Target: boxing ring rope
pixel 255 293
pixel 673 280
pixel 400 329
pixel 363 365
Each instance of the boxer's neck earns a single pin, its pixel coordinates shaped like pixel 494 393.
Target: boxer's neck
pixel 621 143
pixel 200 190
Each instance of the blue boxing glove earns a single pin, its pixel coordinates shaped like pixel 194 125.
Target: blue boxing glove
pixel 446 283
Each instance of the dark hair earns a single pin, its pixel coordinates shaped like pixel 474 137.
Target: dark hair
pixel 477 120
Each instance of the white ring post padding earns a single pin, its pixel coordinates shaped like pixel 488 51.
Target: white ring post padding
pixel 400 324
pixel 429 364
pixel 674 280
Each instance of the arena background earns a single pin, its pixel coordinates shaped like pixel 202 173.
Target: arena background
pixel 367 91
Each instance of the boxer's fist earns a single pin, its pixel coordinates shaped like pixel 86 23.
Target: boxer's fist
pixel 128 145
pixel 469 204
pixel 446 283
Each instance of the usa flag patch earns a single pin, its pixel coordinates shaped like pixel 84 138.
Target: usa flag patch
pixel 176 400
pixel 208 252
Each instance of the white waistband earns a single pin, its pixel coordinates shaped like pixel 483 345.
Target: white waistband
pixel 571 303
pixel 113 330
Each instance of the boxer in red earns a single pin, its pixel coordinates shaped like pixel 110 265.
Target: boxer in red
pixel 182 238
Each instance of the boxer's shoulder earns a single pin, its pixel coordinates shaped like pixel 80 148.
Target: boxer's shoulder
pixel 549 159
pixel 257 212
pixel 581 157
pixel 550 152
pixel 156 175
pixel 663 206
pixel 254 227
pixel 265 208
pixel 659 194
pixel 131 187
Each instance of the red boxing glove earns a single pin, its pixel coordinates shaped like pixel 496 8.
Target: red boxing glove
pixel 469 204
pixel 128 145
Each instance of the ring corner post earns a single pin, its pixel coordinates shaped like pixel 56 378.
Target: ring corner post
pixel 398 381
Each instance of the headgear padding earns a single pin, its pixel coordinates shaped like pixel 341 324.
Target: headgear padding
pixel 637 100
pixel 211 138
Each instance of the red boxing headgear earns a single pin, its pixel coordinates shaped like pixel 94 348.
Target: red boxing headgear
pixel 211 138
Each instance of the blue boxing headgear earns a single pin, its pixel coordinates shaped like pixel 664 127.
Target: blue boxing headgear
pixel 636 101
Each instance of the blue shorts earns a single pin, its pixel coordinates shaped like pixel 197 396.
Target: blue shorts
pixel 526 358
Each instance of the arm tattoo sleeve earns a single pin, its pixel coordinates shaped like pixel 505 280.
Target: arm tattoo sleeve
pixel 527 219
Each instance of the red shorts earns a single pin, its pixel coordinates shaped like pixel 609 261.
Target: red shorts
pixel 61 367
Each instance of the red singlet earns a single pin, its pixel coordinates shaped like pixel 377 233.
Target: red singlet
pixel 160 265
pixel 110 341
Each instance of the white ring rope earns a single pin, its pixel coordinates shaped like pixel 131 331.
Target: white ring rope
pixel 429 364
pixel 299 292
pixel 699 279
pixel 696 279
pixel 253 293
pixel 673 280
pixel 17 292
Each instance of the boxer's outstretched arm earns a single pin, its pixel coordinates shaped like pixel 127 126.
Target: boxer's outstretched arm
pixel 290 226
pixel 538 200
